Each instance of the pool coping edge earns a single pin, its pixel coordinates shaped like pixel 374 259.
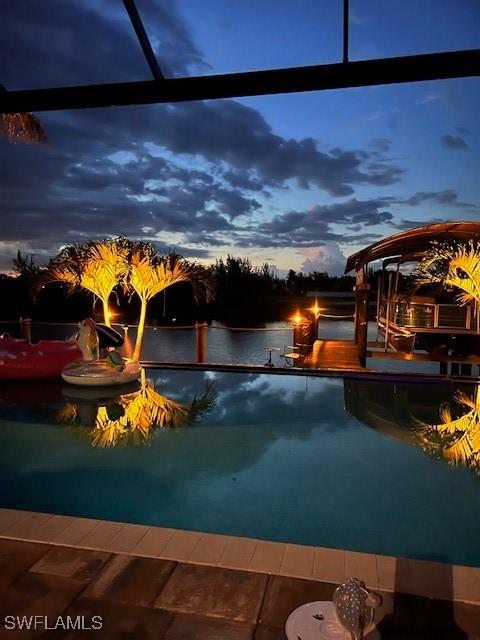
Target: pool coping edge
pixel 425 578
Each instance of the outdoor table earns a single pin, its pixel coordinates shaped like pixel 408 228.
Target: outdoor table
pixel 269 362
pixel 302 625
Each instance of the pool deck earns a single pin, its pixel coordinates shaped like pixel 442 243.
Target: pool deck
pixel 174 584
pixel 334 354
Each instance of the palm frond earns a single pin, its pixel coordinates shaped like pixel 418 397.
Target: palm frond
pixel 454 264
pixel 65 273
pixel 464 448
pixel 22 127
pixel 202 405
pixel 107 433
pixel 455 439
pixel 143 412
pixel 97 266
pixel 68 414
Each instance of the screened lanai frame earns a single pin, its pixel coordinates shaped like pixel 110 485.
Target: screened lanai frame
pixel 344 74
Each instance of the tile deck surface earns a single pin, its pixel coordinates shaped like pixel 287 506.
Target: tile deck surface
pixel 149 582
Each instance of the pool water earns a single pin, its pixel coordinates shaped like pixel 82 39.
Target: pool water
pixel 316 461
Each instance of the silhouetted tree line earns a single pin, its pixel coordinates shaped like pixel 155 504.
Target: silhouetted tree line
pixel 299 283
pixel 243 293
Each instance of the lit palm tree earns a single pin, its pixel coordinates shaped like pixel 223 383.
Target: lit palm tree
pixel 100 266
pixel 464 272
pixel 97 266
pixel 149 275
pixel 454 265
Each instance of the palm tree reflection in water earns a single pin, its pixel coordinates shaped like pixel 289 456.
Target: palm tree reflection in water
pixel 132 418
pixel 443 422
pixel 457 439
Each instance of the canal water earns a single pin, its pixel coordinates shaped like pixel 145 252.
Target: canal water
pixel 227 345
pixel 230 345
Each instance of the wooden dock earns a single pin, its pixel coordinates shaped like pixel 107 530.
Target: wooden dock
pixel 334 354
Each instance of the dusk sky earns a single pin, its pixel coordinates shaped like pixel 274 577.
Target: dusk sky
pixel 299 180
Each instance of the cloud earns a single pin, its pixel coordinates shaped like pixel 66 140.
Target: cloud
pixel 243 180
pixel 106 176
pixel 42 47
pixel 381 144
pixel 326 258
pixel 448 197
pixel 429 97
pixel 192 176
pixel 186 252
pixel 226 131
pixel 453 142
pixel 191 169
pixel 232 203
pixel 411 224
pixel 313 227
pixel 195 173
pixel 8 252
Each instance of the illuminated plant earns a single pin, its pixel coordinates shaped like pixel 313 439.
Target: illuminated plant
pixel 455 265
pixel 97 266
pixel 100 266
pixel 22 127
pixel 149 275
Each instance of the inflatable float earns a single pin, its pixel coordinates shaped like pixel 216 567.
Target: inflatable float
pixel 108 336
pixel 92 372
pixel 20 360
pixel 102 396
pixel 100 373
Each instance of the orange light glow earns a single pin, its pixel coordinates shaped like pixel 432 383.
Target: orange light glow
pixel 297 318
pixel 316 309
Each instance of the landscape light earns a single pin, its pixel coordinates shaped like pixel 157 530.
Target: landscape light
pixel 297 318
pixel 316 309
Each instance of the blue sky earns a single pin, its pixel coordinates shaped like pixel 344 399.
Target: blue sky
pixel 300 180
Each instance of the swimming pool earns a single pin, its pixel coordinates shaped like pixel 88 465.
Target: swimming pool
pixel 316 461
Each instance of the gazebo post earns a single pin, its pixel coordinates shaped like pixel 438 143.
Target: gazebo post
pixel 361 312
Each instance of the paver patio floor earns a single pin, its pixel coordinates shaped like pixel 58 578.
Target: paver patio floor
pixel 146 598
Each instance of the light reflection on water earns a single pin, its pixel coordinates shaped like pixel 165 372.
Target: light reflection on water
pixel 360 465
pixel 444 424
pixel 108 419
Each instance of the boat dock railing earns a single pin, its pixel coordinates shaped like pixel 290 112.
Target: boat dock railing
pixel 429 316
